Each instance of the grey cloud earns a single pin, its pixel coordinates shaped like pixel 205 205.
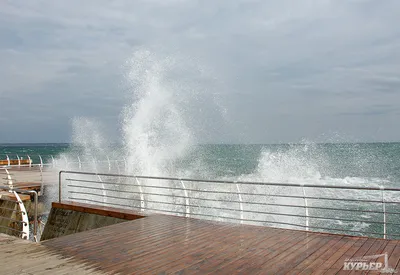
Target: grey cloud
pixel 286 69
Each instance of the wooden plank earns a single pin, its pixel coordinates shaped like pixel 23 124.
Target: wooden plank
pixel 161 244
pixel 4 195
pixel 295 255
pixel 27 185
pixel 222 249
pixel 126 214
pixel 161 256
pixel 120 238
pixel 264 252
pixel 394 257
pixel 234 237
pixel 375 249
pixel 15 162
pixel 388 250
pixel 359 253
pixel 336 261
pixel 318 266
pixel 148 227
pixel 24 257
pixel 159 250
pixel 315 256
pixel 222 257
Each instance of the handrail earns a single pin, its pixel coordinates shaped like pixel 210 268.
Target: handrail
pixel 234 182
pixel 35 214
pixel 200 196
pixel 10 180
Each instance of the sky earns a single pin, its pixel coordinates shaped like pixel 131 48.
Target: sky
pixel 270 71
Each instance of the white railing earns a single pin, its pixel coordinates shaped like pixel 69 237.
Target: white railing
pixel 106 163
pixel 353 210
pixel 20 226
pixel 42 166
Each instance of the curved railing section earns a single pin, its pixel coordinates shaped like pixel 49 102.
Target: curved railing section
pixel 14 217
pixel 42 167
pixel 352 210
pixel 67 161
pixel 20 226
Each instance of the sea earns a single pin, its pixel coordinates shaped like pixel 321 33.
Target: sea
pixel 328 163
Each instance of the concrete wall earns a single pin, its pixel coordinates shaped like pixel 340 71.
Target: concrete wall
pixel 9 214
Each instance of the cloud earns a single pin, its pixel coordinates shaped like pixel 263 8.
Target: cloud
pixel 286 69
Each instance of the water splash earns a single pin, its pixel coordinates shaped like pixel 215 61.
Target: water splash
pixel 155 132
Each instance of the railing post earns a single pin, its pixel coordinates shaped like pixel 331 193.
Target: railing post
pixel 240 202
pixel 125 164
pixel 384 211
pixel 187 201
pixel 19 161
pixel 306 206
pixel 8 160
pixel 109 164
pixel 141 194
pixel 41 179
pixel 66 162
pixel 35 216
pixel 53 161
pixel 59 186
pixel 102 184
pixel 79 163
pixel 9 180
pixel 30 161
pixel 41 161
pixel 119 171
pixel 94 164
pixel 24 215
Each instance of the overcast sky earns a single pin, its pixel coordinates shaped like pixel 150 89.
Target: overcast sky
pixel 277 71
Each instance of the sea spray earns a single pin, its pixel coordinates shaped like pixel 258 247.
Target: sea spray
pixel 158 129
pixel 155 132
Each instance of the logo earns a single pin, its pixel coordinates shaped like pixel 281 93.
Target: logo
pixel 369 263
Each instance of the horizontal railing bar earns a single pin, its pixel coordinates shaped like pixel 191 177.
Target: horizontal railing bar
pixel 102 182
pixel 298 225
pixel 13 210
pixel 10 228
pixel 244 193
pixel 18 190
pixel 98 195
pixel 124 205
pixel 101 202
pixel 183 197
pixel 238 182
pixel 237 219
pixel 271 204
pixel 164 187
pixel 291 224
pixel 16 202
pixel 236 210
pixel 219 192
pixel 13 220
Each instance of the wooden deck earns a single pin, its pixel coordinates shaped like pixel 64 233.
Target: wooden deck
pixel 18 256
pixel 161 244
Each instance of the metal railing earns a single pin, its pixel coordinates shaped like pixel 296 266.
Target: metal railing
pixel 25 179
pixel 19 208
pixel 47 163
pixel 81 162
pixel 352 210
